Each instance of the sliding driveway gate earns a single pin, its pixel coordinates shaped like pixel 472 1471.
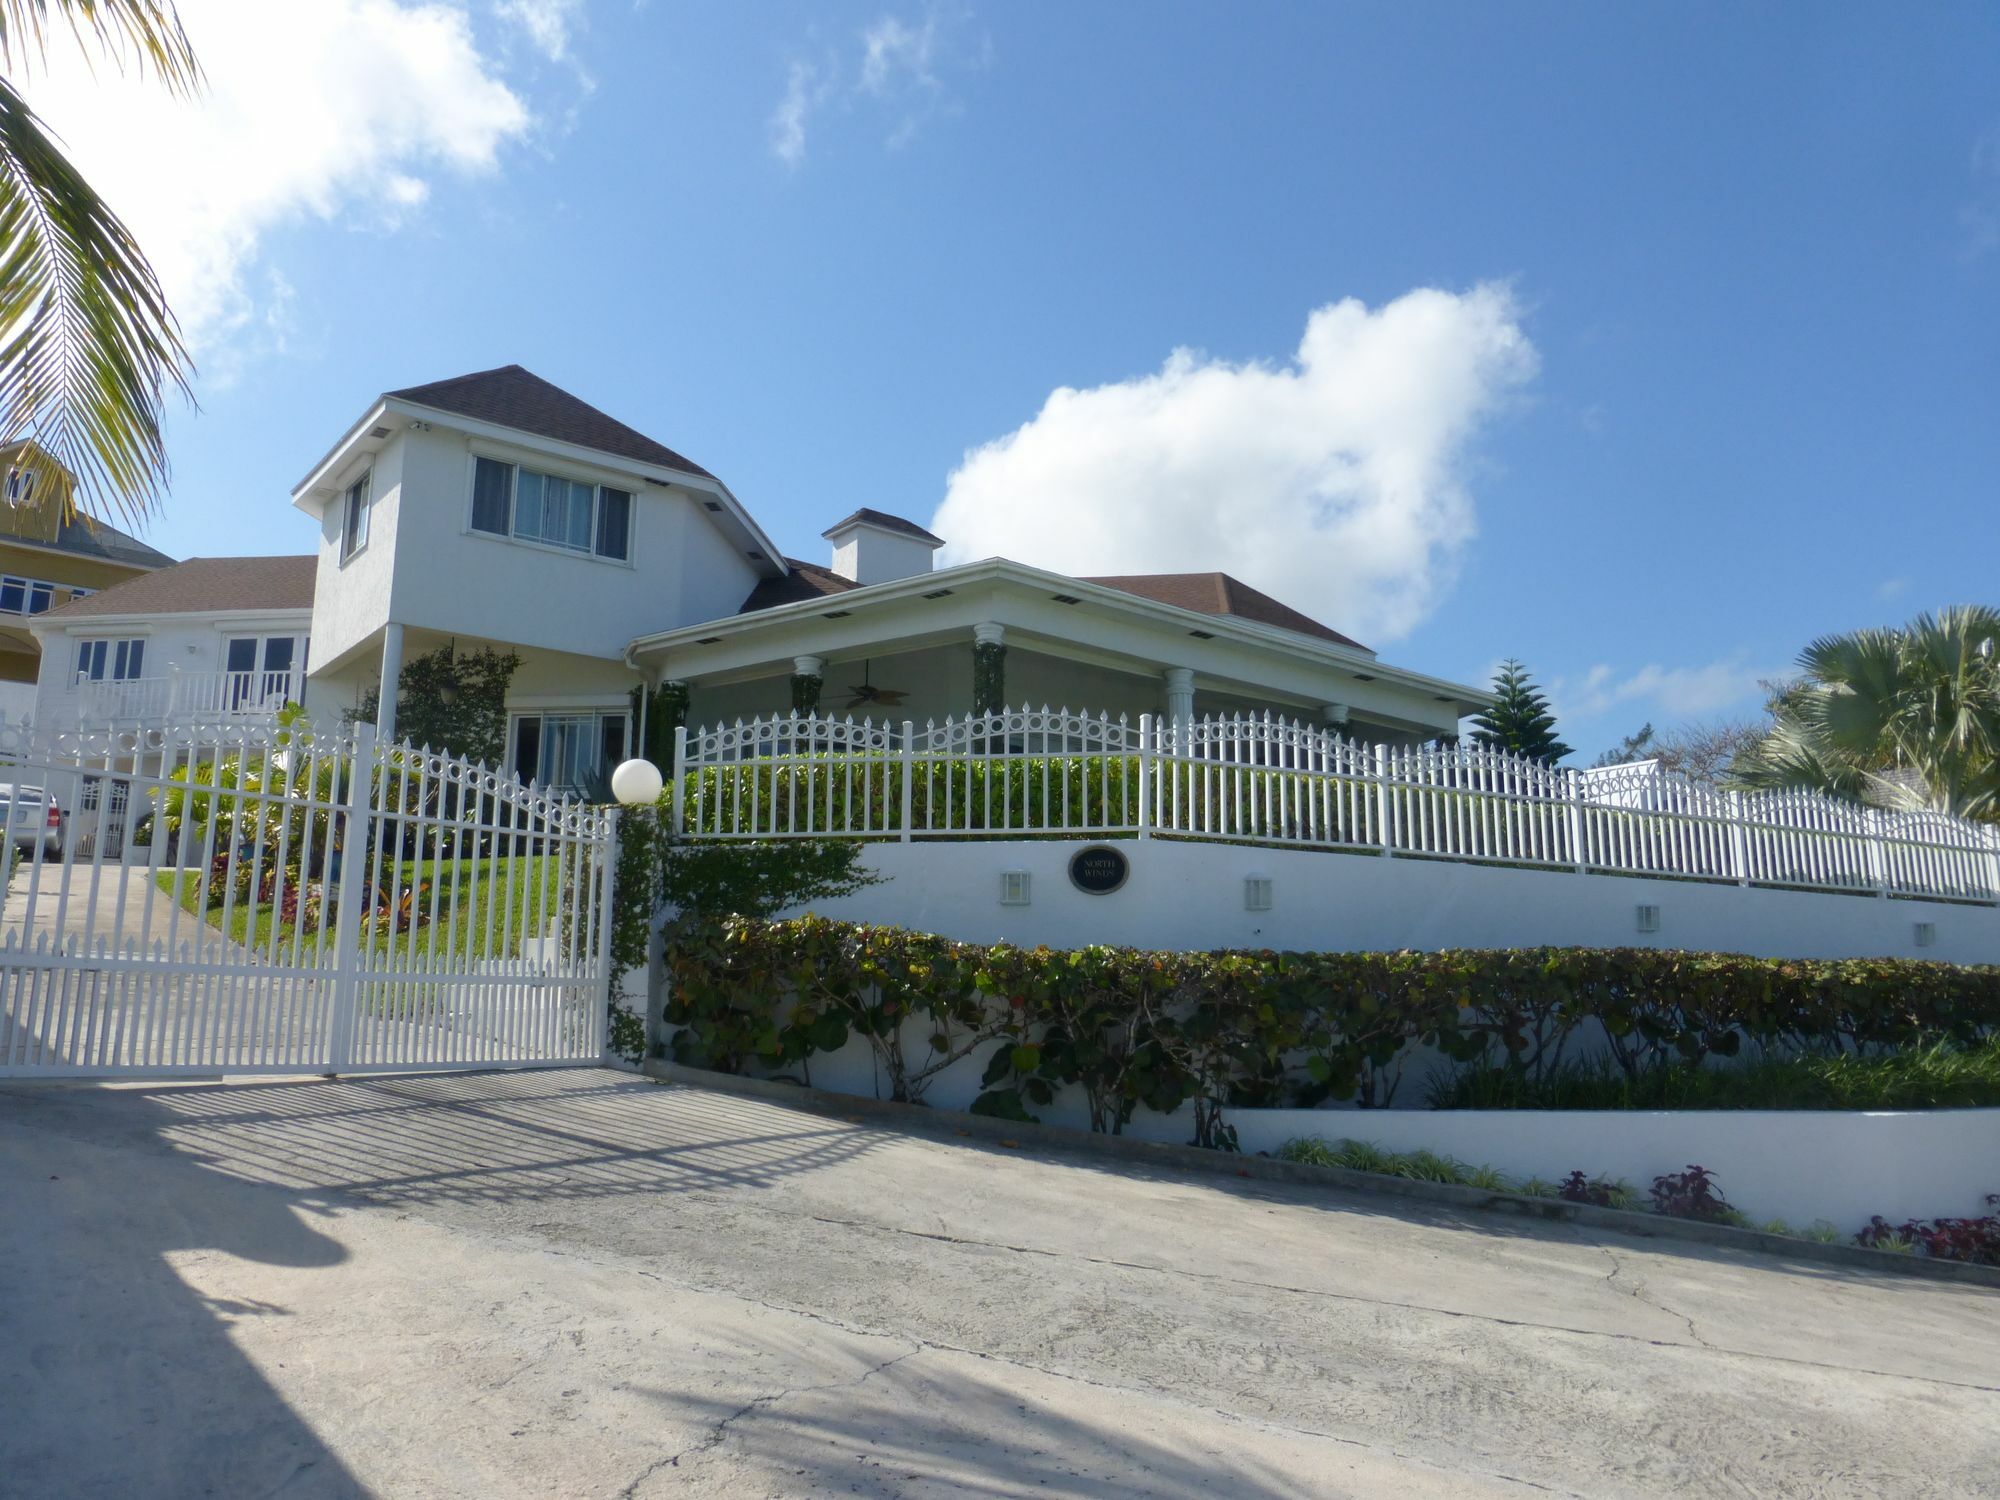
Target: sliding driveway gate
pixel 264 898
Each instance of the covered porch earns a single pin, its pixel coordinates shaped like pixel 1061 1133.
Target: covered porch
pixel 998 635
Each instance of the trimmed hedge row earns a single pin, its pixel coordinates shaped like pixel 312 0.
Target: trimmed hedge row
pixel 1162 1029
pixel 865 794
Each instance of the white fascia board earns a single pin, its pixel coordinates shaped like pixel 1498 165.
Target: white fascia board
pixel 773 560
pixel 43 626
pixel 1002 572
pixel 335 457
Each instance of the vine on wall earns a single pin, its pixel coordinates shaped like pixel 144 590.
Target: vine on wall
pixel 989 676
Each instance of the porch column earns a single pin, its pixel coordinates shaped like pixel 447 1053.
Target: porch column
pixel 989 667
pixel 392 679
pixel 1180 695
pixel 808 673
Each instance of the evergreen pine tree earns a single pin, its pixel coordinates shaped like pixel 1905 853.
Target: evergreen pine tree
pixel 1519 721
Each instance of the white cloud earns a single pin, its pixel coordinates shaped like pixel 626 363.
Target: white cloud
pixel 546 22
pixel 1979 215
pixel 1891 588
pixel 331 110
pixel 807 87
pixel 899 69
pixel 1672 694
pixel 1335 481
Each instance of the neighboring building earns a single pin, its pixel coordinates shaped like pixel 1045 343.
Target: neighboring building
pixel 212 637
pixel 497 510
pixel 46 561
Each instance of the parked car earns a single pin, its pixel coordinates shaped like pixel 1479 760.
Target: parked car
pixel 32 819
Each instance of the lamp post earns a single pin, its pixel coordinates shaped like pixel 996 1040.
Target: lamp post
pixel 637 783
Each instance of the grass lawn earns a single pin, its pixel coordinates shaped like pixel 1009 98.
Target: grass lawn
pixel 517 893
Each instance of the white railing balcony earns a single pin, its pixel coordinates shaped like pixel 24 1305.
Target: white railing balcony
pixel 179 694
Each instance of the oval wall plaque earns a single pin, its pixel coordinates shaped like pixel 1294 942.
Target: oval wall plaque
pixel 1100 869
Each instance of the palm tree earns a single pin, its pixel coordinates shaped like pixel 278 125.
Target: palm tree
pixel 88 345
pixel 1904 718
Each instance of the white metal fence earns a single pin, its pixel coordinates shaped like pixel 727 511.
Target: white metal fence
pixel 237 897
pixel 182 697
pixel 1056 772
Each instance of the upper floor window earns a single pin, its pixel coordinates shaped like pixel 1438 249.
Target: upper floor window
pixel 120 661
pixel 20 485
pixel 508 500
pixel 27 596
pixel 354 518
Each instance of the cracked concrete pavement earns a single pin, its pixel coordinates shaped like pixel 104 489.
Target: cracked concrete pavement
pixel 581 1284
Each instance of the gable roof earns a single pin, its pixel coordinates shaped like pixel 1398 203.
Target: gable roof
pixel 204 585
pixel 804 581
pixel 1220 594
pixel 513 397
pixel 87 537
pixel 883 521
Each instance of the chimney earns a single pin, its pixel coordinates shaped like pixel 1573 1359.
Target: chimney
pixel 872 546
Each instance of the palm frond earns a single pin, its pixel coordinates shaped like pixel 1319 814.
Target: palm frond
pixel 147 30
pixel 87 342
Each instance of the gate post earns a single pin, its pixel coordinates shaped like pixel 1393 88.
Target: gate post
pixel 358 816
pixel 680 779
pixel 606 915
pixel 1145 775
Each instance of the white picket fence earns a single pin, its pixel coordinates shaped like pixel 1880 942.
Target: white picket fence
pixel 256 897
pixel 1263 780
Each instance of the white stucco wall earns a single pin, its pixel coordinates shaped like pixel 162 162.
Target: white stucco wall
pixel 1189 895
pixel 191 643
pixel 427 569
pixel 351 599
pixel 1796 1165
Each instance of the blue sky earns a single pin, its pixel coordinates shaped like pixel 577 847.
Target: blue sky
pixel 1711 367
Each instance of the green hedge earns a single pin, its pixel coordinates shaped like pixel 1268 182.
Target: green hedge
pixel 865 794
pixel 1131 1028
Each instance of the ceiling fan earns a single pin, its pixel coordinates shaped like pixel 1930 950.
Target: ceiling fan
pixel 865 692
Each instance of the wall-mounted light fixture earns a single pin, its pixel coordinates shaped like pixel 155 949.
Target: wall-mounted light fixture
pixel 1926 934
pixel 1649 919
pixel 1013 887
pixel 1256 893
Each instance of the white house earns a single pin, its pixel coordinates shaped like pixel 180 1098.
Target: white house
pixel 212 637
pixel 495 509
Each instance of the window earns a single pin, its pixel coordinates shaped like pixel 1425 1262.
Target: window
pixel 260 669
pixel 614 523
pixel 20 486
pixel 535 507
pixel 120 661
pixel 30 596
pixel 354 518
pixel 491 481
pixel 567 749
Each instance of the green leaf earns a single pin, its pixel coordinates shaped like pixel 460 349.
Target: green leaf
pixel 1026 1058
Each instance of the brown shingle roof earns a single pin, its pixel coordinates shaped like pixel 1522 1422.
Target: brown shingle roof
pixel 202 585
pixel 805 581
pixel 868 516
pixel 513 397
pixel 1219 594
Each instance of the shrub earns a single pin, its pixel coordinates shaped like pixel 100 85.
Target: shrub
pixel 1976 1241
pixel 1598 1192
pixel 1133 1029
pixel 1935 1075
pixel 1692 1195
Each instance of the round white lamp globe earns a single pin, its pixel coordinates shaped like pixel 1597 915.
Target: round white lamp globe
pixel 637 783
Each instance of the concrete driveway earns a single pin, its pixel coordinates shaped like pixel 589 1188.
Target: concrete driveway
pixel 579 1284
